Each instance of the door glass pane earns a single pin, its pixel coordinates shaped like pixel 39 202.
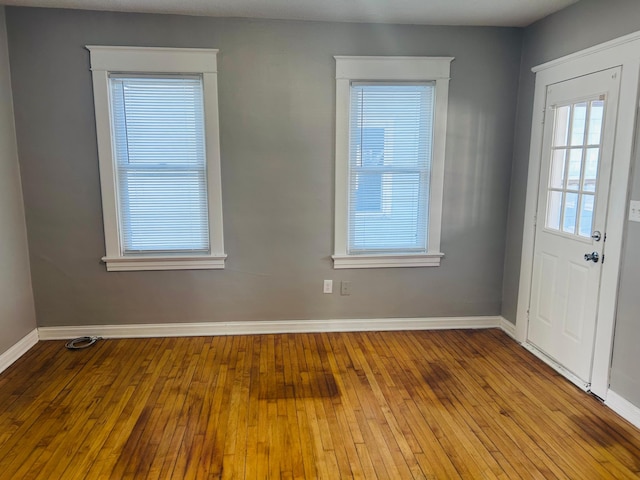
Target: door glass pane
pixel 556 179
pixel 591 169
pixel 586 215
pixel 570 211
pixel 554 210
pixel 575 169
pixel 595 122
pixel 578 124
pixel 561 129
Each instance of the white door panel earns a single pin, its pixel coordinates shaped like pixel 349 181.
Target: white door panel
pixel 576 162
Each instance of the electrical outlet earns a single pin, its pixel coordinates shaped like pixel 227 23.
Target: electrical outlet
pixel 345 288
pixel 328 286
pixel 634 211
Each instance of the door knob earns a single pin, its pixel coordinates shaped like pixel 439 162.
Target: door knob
pixel 592 257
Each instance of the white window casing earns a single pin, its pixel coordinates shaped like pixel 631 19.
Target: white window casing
pixel 353 74
pixel 197 69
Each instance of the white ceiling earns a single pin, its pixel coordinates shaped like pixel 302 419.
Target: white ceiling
pixel 422 12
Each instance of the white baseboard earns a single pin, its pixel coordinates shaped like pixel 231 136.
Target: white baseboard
pixel 507 327
pixel 19 349
pixel 624 408
pixel 266 327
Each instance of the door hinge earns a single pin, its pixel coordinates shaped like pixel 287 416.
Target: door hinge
pixel 544 115
pixel 603 258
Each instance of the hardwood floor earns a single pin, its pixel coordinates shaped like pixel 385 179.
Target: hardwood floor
pixel 393 405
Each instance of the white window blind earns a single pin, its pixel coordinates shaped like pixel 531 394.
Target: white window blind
pixel 158 125
pixel 390 148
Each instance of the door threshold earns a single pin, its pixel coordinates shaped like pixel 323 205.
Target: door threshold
pixel 578 382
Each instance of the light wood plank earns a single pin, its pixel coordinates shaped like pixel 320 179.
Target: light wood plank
pixel 387 405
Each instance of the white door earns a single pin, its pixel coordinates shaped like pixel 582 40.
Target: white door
pixel 571 218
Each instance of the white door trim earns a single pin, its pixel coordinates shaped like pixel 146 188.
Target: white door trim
pixel 624 52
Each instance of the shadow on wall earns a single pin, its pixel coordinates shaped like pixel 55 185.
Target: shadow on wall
pixel 471 158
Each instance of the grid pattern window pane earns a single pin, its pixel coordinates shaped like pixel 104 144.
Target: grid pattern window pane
pixel 391 133
pixel 574 167
pixel 158 125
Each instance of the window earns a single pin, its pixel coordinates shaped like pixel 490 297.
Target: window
pixel 575 155
pixel 369 145
pixel 391 115
pixel 158 146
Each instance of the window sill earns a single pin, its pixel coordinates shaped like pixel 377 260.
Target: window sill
pixel 387 261
pixel 130 263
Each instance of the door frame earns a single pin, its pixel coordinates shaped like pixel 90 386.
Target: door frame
pixel 624 52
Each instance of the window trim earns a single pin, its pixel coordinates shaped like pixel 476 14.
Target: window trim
pixel 401 69
pixel 146 60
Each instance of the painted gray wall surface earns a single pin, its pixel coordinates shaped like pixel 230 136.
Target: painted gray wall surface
pixel 17 315
pixel 587 23
pixel 583 25
pixel 277 109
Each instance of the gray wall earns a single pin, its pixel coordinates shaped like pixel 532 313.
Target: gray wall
pixel 277 108
pixel 17 315
pixel 587 23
